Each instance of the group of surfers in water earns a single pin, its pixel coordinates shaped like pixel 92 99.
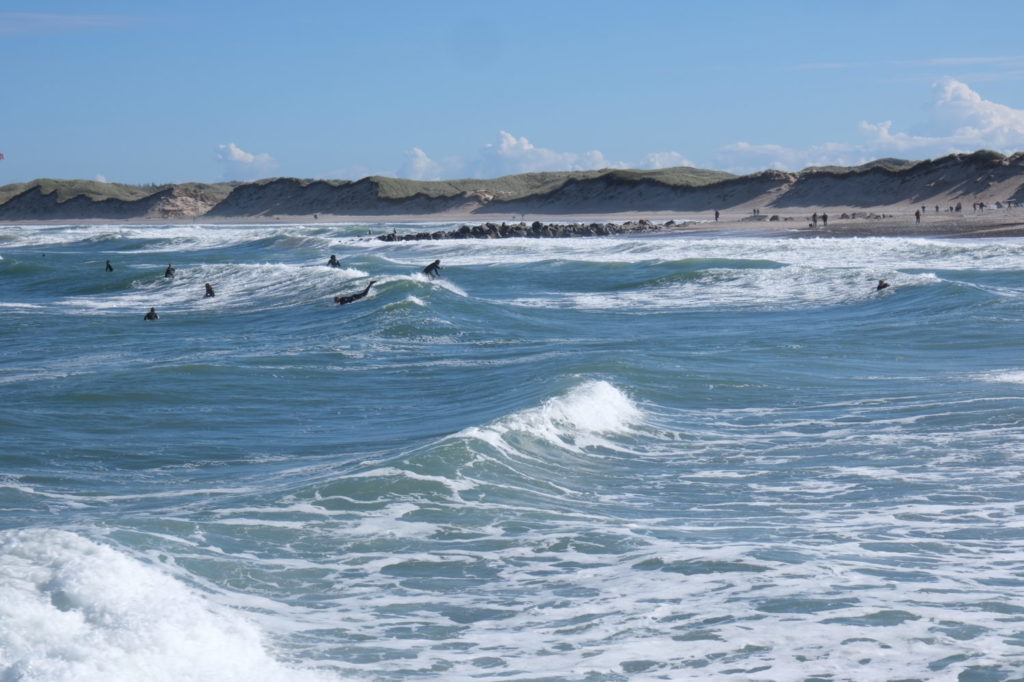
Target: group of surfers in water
pixel 432 271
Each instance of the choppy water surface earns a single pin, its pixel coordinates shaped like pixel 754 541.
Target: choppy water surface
pixel 671 457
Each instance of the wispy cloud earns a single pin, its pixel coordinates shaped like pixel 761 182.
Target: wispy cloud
pixel 959 120
pixel 509 155
pixel 237 164
pixel 35 22
pixel 419 166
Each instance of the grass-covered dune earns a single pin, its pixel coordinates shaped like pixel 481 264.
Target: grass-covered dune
pixel 982 175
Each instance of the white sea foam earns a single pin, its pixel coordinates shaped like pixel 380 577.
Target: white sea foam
pixel 177 238
pixel 76 611
pixel 1010 376
pixel 419 278
pixel 884 254
pixel 258 285
pixel 793 286
pixel 579 419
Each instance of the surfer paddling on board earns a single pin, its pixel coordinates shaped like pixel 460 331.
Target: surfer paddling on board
pixel 342 300
pixel 882 284
pixel 433 270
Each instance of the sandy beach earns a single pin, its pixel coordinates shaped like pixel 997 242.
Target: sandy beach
pixel 882 221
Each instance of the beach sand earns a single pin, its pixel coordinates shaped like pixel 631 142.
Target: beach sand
pixel 880 221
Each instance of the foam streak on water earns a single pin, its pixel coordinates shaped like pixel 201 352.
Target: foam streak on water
pixel 669 457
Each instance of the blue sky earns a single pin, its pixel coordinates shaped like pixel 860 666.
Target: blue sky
pixel 190 91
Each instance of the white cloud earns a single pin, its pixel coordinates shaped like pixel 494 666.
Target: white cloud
pixel 509 155
pixel 101 178
pixel 665 160
pixel 960 120
pixel 241 165
pixel 419 166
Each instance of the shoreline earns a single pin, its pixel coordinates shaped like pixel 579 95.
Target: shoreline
pixel 880 221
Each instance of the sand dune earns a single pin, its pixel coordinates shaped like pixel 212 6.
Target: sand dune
pixel 886 187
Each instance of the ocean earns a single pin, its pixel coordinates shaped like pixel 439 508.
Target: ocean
pixel 670 457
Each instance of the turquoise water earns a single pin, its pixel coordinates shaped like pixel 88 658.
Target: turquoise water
pixel 670 457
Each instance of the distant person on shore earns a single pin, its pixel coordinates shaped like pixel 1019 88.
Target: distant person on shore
pixel 882 284
pixel 716 216
pixel 169 272
pixel 917 216
pixel 433 270
pixel 814 219
pixel 824 219
pixel 209 291
pixel 110 268
pixel 333 262
pixel 342 300
pixel 151 315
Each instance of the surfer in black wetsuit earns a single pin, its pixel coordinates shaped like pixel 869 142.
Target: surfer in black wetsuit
pixel 209 291
pixel 151 315
pixel 333 262
pixel 882 284
pixel 342 300
pixel 169 272
pixel 433 270
pixel 110 268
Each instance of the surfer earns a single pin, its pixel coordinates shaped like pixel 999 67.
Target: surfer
pixel 342 300
pixel 333 262
pixel 882 284
pixel 169 272
pixel 110 268
pixel 209 291
pixel 433 270
pixel 151 315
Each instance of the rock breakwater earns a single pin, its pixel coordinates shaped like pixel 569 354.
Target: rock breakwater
pixel 536 230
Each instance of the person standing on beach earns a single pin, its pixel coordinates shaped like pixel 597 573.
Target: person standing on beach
pixel 814 219
pixel 824 219
pixel 110 268
pixel 151 315
pixel 433 270
pixel 917 215
pixel 716 216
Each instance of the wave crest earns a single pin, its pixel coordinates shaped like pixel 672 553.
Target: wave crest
pixel 72 609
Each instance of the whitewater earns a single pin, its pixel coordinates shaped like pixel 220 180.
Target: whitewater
pixel 669 457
